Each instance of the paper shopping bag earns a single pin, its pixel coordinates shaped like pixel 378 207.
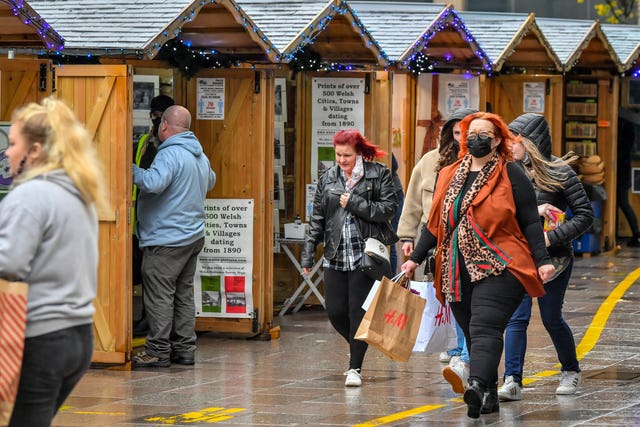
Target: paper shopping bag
pixel 437 331
pixel 392 321
pixel 13 317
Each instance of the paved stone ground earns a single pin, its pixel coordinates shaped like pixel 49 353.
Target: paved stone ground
pixel 297 379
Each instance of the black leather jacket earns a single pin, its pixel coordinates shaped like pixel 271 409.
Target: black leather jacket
pixel 372 202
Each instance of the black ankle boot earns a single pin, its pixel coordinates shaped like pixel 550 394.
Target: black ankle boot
pixel 473 398
pixel 634 242
pixel 490 403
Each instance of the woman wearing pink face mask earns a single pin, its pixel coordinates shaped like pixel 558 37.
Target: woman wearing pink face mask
pixel 354 199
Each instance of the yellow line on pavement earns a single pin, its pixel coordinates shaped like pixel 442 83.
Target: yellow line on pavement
pixel 206 415
pixel 587 343
pixel 399 415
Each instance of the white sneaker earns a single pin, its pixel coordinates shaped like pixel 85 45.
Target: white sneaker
pixel 569 382
pixel 510 390
pixel 444 357
pixel 457 374
pixel 354 379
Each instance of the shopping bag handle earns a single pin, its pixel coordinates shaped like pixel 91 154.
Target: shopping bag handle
pixel 401 279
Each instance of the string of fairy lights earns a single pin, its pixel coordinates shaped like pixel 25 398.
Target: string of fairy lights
pixel 174 47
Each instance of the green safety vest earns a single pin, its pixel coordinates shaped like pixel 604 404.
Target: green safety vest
pixel 142 147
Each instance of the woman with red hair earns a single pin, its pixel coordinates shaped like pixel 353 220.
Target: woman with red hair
pixel 490 247
pixel 354 199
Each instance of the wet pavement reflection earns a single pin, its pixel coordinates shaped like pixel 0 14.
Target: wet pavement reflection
pixel 298 378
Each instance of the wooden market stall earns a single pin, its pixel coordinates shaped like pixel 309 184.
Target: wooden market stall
pixel 591 70
pixel 625 40
pixel 182 45
pixel 433 51
pixel 525 70
pixel 328 56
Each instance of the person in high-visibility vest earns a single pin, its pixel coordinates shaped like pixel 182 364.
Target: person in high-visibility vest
pixel 144 152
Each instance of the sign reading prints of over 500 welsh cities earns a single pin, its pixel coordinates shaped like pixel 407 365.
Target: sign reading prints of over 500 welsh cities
pixel 337 104
pixel 223 285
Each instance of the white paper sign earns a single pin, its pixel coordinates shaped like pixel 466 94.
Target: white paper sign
pixel 533 97
pixel 223 283
pixel 210 96
pixel 337 104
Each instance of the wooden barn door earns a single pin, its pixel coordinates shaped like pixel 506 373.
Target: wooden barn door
pixel 506 98
pixel 23 81
pixel 101 97
pixel 240 149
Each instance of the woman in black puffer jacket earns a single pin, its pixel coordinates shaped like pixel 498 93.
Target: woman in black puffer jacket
pixel 558 188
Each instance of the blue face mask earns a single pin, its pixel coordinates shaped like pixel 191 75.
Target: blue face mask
pixel 479 145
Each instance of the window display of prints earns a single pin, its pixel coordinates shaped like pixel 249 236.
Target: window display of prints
pixel 337 104
pixel 223 283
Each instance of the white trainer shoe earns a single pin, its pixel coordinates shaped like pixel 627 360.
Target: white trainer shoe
pixel 354 379
pixel 444 357
pixel 569 382
pixel 457 374
pixel 510 390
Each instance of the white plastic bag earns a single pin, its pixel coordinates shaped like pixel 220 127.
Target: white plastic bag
pixel 437 331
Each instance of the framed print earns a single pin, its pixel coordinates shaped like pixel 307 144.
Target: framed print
pixel 145 88
pixel 635 180
pixel 278 145
pixel 5 176
pixel 281 100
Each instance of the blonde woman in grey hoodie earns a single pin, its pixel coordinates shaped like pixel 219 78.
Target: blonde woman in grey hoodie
pixel 49 239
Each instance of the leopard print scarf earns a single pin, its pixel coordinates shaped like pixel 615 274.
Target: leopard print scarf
pixel 463 236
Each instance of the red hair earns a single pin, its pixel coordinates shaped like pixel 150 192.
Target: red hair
pixel 502 131
pixel 360 144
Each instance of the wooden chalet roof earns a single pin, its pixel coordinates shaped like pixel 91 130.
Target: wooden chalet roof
pixel 625 40
pixel 23 27
pixel 580 43
pixel 141 27
pixel 329 27
pixel 405 28
pixel 511 39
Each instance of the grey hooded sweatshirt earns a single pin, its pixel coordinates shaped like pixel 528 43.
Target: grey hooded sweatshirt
pixel 49 239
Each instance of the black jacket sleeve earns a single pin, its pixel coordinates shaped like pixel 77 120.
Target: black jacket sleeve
pixel 426 241
pixel 527 213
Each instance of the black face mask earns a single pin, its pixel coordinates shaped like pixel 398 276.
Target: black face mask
pixel 479 146
pixel 156 124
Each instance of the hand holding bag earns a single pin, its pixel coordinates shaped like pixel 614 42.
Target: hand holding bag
pixel 13 319
pixel 392 321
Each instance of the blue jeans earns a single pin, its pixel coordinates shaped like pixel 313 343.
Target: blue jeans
pixel 515 345
pixel 52 365
pixel 461 348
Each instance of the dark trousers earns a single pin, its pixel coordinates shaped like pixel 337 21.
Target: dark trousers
pixel 52 365
pixel 167 282
pixel 345 291
pixel 551 313
pixel 622 197
pixel 483 314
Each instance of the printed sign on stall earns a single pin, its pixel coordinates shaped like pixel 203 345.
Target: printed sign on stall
pixel 337 104
pixel 223 282
pixel 533 97
pixel 210 96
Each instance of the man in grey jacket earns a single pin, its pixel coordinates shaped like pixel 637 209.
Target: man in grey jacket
pixel 170 228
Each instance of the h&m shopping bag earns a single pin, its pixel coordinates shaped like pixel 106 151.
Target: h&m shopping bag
pixel 437 331
pixel 392 321
pixel 13 317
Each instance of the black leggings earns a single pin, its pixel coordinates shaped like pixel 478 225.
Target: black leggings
pixel 483 314
pixel 345 291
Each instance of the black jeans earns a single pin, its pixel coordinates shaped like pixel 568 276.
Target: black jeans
pixel 345 291
pixel 52 365
pixel 483 314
